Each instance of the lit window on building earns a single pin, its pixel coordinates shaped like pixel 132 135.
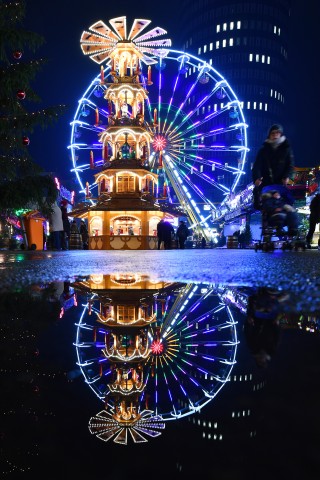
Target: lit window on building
pixel 210 61
pixel 211 46
pixel 224 27
pixel 231 42
pixel 265 107
pixel 217 45
pixel 238 25
pixel 218 28
pixel 254 105
pixel 263 58
pixel 274 29
pixel 125 183
pixel 231 25
pixel 199 51
pixel 257 57
pixel 248 105
pixel 279 31
pixel 224 43
pixel 268 60
pixel 260 106
pixel 250 57
pixel 204 48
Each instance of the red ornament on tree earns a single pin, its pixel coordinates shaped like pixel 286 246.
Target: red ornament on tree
pixel 17 54
pixel 21 94
pixel 25 141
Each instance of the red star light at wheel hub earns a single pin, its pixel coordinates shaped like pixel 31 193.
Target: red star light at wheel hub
pixel 157 347
pixel 159 143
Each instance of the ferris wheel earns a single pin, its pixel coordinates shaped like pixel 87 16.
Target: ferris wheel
pixel 199 144
pixel 193 346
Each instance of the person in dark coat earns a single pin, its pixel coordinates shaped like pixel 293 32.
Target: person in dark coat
pixel 66 225
pixel 84 235
pixel 274 163
pixel 182 233
pixel 75 237
pixel 160 233
pixel 314 218
pixel 167 234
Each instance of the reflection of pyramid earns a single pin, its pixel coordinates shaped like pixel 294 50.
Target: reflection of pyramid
pixel 152 352
pixel 105 427
pixel 101 40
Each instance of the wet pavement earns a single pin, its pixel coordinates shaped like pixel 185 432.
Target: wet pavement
pixel 298 272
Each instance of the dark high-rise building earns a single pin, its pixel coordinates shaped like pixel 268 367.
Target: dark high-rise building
pixel 246 42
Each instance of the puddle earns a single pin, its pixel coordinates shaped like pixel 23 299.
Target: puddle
pixel 186 378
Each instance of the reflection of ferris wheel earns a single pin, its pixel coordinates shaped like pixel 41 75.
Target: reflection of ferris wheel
pixel 199 132
pixel 192 351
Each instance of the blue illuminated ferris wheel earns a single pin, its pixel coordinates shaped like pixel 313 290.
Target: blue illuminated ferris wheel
pixel 199 148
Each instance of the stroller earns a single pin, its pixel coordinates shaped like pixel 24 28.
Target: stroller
pixel 279 219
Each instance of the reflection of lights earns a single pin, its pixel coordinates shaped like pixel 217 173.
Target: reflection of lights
pixel 97 279
pixel 123 279
pixel 191 343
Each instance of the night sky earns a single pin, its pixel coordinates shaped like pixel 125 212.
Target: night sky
pixel 68 72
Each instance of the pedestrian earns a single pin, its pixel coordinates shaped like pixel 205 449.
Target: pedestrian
pixel 75 237
pixel 66 225
pixel 182 234
pixel 56 226
pixel 167 234
pixel 160 232
pixel 314 218
pixel 274 163
pixel 84 235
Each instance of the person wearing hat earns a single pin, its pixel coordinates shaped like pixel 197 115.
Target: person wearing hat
pixel 274 162
pixel 182 234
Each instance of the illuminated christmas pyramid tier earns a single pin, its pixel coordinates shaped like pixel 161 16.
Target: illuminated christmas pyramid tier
pixel 125 212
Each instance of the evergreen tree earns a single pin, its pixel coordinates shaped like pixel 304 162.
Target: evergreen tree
pixel 22 182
